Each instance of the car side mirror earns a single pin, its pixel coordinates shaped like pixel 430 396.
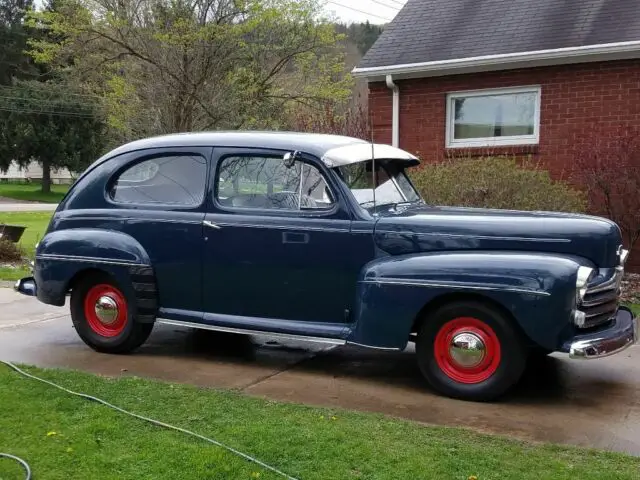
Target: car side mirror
pixel 289 159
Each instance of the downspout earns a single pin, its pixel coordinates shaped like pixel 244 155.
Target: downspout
pixel 395 119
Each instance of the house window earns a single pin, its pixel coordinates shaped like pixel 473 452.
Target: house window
pixel 493 117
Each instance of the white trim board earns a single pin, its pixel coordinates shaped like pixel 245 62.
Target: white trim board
pixel 506 61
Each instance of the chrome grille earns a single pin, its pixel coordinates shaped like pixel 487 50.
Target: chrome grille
pixel 600 302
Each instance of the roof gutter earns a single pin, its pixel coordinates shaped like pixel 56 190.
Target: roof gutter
pixel 558 56
pixel 395 116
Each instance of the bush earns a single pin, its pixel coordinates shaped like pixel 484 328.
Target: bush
pixel 9 252
pixel 495 182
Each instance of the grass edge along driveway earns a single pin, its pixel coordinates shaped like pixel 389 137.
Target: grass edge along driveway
pixel 67 437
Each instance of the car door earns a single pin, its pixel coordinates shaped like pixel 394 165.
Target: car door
pixel 160 195
pixel 278 242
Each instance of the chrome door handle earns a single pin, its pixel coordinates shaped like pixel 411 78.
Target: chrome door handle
pixel 207 223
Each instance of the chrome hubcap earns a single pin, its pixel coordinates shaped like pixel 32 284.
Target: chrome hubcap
pixel 467 350
pixel 106 310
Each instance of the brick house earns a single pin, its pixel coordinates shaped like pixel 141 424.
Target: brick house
pixel 505 76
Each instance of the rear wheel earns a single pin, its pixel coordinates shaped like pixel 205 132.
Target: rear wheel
pixel 470 350
pixel 103 316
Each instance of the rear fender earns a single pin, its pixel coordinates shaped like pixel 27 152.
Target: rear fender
pixel 537 290
pixel 63 255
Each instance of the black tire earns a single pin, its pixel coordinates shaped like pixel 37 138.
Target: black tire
pixel 539 352
pixel 507 362
pixel 124 337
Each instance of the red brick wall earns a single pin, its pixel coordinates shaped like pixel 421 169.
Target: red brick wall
pixel 576 100
pixel 573 99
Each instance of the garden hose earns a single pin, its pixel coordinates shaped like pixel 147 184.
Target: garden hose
pixel 24 464
pixel 232 450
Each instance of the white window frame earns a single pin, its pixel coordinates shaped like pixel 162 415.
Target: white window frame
pixel 493 141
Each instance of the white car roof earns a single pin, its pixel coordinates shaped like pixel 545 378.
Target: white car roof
pixel 362 152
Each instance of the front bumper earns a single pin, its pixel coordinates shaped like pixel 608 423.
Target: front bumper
pixel 614 339
pixel 26 286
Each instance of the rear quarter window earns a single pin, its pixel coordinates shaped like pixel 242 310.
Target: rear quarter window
pixel 162 180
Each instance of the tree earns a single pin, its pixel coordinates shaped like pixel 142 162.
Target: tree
pixel 50 123
pixel 350 119
pixel 14 63
pixel 608 167
pixel 171 66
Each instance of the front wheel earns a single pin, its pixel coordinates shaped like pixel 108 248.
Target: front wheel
pixel 103 317
pixel 470 350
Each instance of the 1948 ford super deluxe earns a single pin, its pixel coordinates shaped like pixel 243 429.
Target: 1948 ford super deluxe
pixel 284 234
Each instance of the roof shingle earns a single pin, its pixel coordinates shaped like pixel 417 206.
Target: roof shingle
pixel 432 30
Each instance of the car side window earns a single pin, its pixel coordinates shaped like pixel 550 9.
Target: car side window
pixel 166 180
pixel 268 183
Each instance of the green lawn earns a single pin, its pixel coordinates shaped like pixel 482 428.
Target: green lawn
pixel 36 223
pixel 635 308
pixel 32 192
pixel 66 437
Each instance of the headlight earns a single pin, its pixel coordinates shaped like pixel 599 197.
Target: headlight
pixel 622 255
pixel 584 276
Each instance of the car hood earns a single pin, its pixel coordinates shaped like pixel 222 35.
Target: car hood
pixel 425 228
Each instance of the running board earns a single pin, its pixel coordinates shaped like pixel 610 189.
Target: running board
pixel 244 331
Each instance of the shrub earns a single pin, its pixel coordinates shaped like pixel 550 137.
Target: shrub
pixel 9 252
pixel 495 182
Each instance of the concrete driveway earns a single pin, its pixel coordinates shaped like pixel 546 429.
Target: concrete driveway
pixel 590 403
pixel 11 206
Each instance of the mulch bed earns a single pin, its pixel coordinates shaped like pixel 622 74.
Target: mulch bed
pixel 631 288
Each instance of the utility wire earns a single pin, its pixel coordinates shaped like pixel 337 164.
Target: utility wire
pixel 401 4
pixel 358 11
pixel 392 7
pixel 48 112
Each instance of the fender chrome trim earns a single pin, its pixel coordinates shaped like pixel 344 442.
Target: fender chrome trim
pixel 420 283
pixel 74 258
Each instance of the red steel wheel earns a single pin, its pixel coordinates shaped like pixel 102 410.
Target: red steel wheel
pixel 467 350
pixel 105 309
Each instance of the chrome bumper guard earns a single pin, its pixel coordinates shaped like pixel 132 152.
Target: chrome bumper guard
pixel 26 286
pixel 618 337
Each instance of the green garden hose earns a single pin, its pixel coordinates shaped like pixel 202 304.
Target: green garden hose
pixel 25 465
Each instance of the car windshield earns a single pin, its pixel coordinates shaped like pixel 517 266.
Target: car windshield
pixel 392 186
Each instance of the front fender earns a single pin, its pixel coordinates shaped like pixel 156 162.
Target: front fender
pixel 62 254
pixel 537 289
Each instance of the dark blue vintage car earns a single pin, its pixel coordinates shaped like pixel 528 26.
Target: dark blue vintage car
pixel 324 238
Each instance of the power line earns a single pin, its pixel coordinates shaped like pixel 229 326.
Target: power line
pixel 402 4
pixel 392 7
pixel 42 112
pixel 42 88
pixel 358 11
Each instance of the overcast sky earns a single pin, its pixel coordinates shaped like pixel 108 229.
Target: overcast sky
pixel 363 10
pixel 354 10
